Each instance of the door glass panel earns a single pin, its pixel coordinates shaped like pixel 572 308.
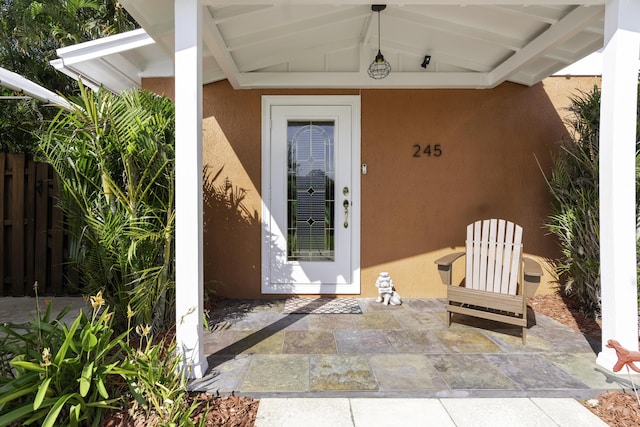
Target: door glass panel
pixel 310 191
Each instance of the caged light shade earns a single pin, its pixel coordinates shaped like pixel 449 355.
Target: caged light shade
pixel 379 68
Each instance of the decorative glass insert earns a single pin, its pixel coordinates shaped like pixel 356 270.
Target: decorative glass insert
pixel 310 191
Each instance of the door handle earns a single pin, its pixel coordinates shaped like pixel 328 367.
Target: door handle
pixel 345 204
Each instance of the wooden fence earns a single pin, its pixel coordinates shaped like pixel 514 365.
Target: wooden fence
pixel 34 245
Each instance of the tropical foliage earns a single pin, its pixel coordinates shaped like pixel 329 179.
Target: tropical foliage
pixel 51 375
pixel 114 159
pixel 52 367
pixel 155 383
pixel 31 31
pixel 575 215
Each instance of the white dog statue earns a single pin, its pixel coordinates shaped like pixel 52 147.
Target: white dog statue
pixel 386 294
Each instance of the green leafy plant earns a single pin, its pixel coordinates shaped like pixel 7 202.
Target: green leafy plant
pixel 156 380
pixel 575 216
pixel 59 375
pixel 114 159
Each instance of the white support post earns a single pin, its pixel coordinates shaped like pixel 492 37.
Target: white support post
pixel 617 178
pixel 189 220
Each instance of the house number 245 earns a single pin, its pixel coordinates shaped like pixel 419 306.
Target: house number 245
pixel 427 150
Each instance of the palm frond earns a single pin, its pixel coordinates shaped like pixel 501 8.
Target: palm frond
pixel 113 157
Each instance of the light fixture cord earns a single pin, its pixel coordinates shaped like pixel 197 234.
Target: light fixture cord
pixel 378 31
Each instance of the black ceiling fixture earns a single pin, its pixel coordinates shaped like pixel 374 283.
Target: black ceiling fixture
pixel 379 68
pixel 426 61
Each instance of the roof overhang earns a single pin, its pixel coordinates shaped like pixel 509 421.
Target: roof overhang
pixel 117 62
pixel 324 44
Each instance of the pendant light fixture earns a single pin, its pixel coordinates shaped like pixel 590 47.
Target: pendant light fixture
pixel 379 68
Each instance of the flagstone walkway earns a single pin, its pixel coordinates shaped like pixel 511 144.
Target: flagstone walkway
pixel 394 351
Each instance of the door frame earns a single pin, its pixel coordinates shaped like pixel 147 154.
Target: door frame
pixel 268 101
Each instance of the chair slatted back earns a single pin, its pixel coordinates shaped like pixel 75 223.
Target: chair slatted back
pixel 493 256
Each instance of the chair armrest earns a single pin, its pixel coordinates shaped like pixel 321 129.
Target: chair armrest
pixel 448 259
pixel 532 273
pixel 445 266
pixel 531 267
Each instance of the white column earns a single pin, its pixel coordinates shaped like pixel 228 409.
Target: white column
pixel 617 177
pixel 188 101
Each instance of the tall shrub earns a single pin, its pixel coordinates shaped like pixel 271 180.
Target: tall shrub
pixel 114 159
pixel 575 215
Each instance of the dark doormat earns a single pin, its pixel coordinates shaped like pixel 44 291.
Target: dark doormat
pixel 322 305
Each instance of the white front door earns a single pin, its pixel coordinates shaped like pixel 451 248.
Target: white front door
pixel 310 192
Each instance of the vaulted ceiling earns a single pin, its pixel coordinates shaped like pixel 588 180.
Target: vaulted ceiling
pixel 320 44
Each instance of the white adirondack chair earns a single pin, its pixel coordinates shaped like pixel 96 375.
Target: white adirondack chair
pixel 498 279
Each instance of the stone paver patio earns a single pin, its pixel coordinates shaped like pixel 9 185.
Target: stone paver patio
pixel 393 351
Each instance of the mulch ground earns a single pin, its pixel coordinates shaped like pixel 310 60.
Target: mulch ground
pixel 617 409
pixel 228 411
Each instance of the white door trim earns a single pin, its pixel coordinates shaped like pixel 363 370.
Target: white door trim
pixel 268 102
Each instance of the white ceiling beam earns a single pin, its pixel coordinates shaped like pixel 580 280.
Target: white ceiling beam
pixel 218 48
pixel 570 25
pixel 339 80
pixel 547 71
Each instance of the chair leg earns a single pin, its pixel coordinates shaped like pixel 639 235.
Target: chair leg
pixel 449 316
pixel 524 335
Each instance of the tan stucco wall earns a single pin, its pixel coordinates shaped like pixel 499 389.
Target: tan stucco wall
pixel 413 209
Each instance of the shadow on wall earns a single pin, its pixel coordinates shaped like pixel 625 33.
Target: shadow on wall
pixel 230 229
pixel 228 226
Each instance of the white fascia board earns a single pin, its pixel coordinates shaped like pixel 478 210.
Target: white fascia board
pixel 103 61
pixel 20 84
pixel 99 48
